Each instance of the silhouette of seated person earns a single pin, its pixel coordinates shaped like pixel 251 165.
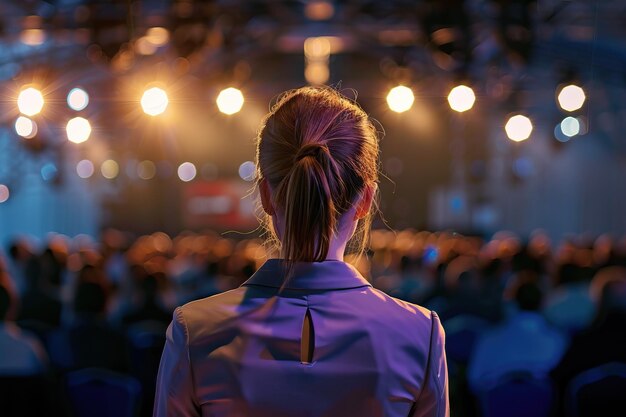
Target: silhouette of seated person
pixel 148 304
pixel 89 340
pixel 21 354
pixel 524 342
pixel 40 302
pixel 605 340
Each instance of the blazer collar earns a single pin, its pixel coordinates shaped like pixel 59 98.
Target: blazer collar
pixel 326 275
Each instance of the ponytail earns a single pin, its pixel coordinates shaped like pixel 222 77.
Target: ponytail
pixel 318 151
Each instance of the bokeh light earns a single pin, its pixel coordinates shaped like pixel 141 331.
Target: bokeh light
pixel 186 171
pixel 4 193
pixel 110 169
pixel 400 99
pixel 230 101
pixel 154 101
pixel 25 127
pixel 77 99
pixel 85 168
pixel 49 171
pixel 30 101
pixel 461 98
pixel 571 98
pixel 570 126
pixel 157 36
pixel 78 130
pixel 518 128
pixel 146 170
pixel 247 171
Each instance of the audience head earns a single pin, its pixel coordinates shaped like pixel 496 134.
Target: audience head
pixel 525 291
pixel 317 159
pixel 608 290
pixel 90 298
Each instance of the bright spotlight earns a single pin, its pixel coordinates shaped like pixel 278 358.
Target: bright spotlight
pixel 78 130
pixel 400 99
pixel 25 127
pixel 247 171
pixel 154 101
pixel 77 99
pixel 30 101
pixel 571 98
pixel 4 193
pixel 230 101
pixel 85 168
pixel 109 169
pixel 518 128
pixel 570 126
pixel 461 98
pixel 186 171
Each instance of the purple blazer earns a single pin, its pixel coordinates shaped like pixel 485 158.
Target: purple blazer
pixel 239 353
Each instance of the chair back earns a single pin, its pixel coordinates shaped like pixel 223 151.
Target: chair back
pixel 95 392
pixel 518 394
pixel 599 391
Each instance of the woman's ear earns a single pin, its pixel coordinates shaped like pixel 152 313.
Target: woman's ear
pixel 365 202
pixel 266 197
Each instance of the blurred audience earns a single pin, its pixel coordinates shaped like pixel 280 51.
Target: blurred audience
pixel 106 303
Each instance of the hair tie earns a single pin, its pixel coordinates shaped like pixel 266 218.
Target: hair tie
pixel 312 149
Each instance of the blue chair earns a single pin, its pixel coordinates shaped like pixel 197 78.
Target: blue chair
pixel 95 392
pixel 599 391
pixel 518 394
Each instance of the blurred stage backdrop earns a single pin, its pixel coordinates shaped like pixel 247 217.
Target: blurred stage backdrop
pixel 141 115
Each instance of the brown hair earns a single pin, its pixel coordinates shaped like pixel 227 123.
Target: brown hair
pixel 318 151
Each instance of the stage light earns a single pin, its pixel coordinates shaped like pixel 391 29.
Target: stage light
pixel 110 169
pixel 25 127
pixel 186 171
pixel 154 101
pixel 461 98
pixel 33 37
pixel 146 170
pixel 85 168
pixel 78 130
pixel 400 99
pixel 77 99
pixel 4 193
pixel 317 48
pixel 247 171
pixel 230 101
pixel 571 98
pixel 570 126
pixel 518 128
pixel 157 36
pixel 30 101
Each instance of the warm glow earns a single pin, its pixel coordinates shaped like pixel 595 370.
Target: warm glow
pixel 317 48
pixel 110 169
pixel 77 99
pixel 319 10
pixel 85 168
pixel 571 98
pixel 78 130
pixel 30 101
pixel 154 101
pixel 157 36
pixel 186 171
pixel 461 98
pixel 230 101
pixel 317 72
pixel 400 99
pixel 4 193
pixel 25 127
pixel 33 37
pixel 518 128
